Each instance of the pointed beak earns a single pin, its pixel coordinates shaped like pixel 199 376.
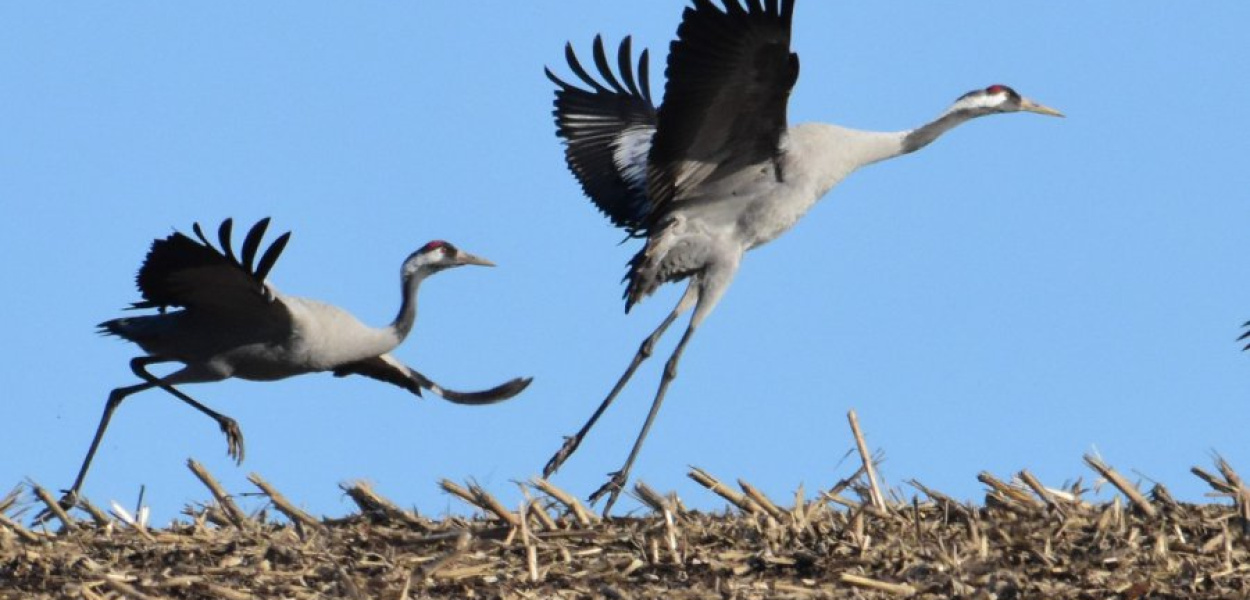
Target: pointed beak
pixel 1041 109
pixel 465 258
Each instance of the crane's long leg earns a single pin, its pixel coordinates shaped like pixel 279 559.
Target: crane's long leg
pixel 115 399
pixel 230 427
pixel 617 482
pixel 644 351
pixel 139 366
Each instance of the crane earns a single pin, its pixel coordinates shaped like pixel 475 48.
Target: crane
pixel 715 170
pixel 234 323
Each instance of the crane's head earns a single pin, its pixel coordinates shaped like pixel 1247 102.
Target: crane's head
pixel 438 255
pixel 999 99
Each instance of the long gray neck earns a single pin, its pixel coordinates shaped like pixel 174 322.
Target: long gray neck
pixel 922 136
pixel 402 325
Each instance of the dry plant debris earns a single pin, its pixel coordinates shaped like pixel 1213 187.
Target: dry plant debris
pixel 1026 541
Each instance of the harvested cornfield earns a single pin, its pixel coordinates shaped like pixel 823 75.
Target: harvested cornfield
pixel 1024 541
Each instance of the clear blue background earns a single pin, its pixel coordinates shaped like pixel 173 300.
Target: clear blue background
pixel 1024 291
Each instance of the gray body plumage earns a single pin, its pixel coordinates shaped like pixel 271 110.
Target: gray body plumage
pixel 311 336
pixel 715 170
pixel 718 221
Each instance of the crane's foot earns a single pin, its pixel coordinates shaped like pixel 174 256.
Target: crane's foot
pixel 570 446
pixel 612 488
pixel 234 438
pixel 69 499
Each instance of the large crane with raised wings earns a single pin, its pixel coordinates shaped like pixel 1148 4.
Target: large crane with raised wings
pixel 716 170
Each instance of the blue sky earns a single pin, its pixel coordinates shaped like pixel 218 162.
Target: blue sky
pixel 1021 292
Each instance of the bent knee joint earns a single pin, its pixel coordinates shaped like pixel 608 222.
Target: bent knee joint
pixel 115 399
pixel 670 369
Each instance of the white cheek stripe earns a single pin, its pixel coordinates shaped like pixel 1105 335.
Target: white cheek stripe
pixel 981 101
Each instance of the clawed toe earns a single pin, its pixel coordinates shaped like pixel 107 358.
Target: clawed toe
pixel 69 499
pixel 561 455
pixel 234 439
pixel 612 488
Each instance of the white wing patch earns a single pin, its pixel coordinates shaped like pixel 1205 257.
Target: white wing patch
pixel 630 150
pixel 394 362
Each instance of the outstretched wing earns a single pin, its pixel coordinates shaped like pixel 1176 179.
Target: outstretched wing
pixel 387 368
pixel 729 74
pixel 192 273
pixel 607 129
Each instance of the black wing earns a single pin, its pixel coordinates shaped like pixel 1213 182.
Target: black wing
pixel 387 368
pixel 607 130
pixel 191 273
pixel 181 271
pixel 729 74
